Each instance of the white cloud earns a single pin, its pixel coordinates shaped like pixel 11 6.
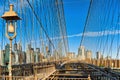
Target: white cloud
pixel 101 33
pixel 86 34
pixel 92 34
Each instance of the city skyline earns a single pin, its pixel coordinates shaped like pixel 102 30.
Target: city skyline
pixel 32 55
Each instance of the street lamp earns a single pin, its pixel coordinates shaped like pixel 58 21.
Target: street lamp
pixel 11 18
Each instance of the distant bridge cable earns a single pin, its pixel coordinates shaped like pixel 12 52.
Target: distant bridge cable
pixel 40 23
pixel 106 18
pixel 2 39
pixel 60 25
pixel 118 45
pixel 86 21
pixel 65 25
pixel 105 47
pixel 113 37
pixel 106 21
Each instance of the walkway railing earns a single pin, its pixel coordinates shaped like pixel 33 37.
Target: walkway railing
pixel 64 78
pixel 39 73
pixel 17 78
pixel 69 79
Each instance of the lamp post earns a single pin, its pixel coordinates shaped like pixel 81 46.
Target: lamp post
pixel 11 18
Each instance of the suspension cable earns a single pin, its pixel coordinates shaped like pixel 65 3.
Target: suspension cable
pixel 40 23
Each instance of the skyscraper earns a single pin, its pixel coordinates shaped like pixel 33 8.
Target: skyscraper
pixel 16 54
pixel 15 47
pixel 20 55
pixel 28 58
pixel 88 54
pixel 71 55
pixel 98 55
pixel 24 56
pixel 2 60
pixel 32 55
pixel 2 53
pixel 81 53
pixel 19 47
pixel 36 55
pixel 7 51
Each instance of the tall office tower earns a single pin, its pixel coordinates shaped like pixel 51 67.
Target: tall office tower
pixel 7 54
pixel 29 46
pixel 16 54
pixel 88 54
pixel 19 47
pixel 13 58
pixel 55 55
pixel 48 53
pixel 15 47
pixel 24 57
pixel 36 57
pixel 98 55
pixel 28 58
pixel 47 50
pixel 7 51
pixel 20 58
pixel 71 55
pixel 32 55
pixel 81 53
pixel 2 60
pixel 41 57
pixel 1 57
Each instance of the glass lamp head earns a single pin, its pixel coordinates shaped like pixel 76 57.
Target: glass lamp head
pixel 11 28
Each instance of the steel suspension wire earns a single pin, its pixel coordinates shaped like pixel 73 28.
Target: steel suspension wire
pixel 3 31
pixel 60 24
pixel 110 49
pixel 37 7
pixel 51 21
pixel 33 27
pixel 50 27
pixel 25 25
pixel 4 40
pixel 118 44
pixel 65 27
pixel 21 22
pixel 99 39
pixel 118 48
pixel 40 23
pixel 40 29
pixel 86 21
pixel 102 17
pixel 106 17
pixel 27 39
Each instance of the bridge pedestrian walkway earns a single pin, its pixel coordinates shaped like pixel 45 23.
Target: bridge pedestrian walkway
pixel 44 74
